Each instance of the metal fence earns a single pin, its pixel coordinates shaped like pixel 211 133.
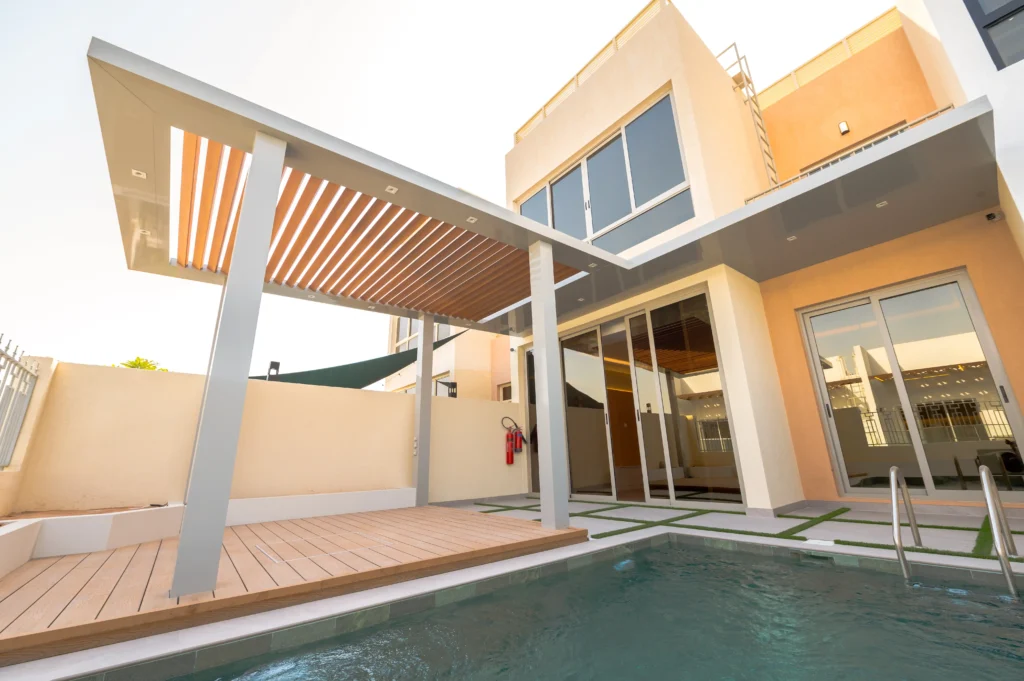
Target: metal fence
pixel 17 380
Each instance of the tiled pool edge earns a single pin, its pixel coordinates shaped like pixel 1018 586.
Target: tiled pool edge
pixel 463 585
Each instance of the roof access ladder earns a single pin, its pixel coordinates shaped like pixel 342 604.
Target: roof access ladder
pixel 739 70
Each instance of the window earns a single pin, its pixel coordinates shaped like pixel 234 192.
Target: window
pixel 1001 25
pixel 505 392
pixel 440 390
pixel 407 334
pixel 632 187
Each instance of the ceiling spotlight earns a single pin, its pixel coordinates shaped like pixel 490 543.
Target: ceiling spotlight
pixel 843 128
pixel 471 220
pixel 881 204
pixel 311 296
pixel 139 174
pixel 581 300
pixel 372 307
pixel 144 232
pixel 391 190
pixel 592 265
pixel 791 238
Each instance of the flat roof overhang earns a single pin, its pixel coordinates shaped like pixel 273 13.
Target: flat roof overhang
pixel 426 247
pixel 938 171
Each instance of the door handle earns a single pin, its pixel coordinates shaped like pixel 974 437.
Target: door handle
pixel 1006 398
pixel 828 410
pixel 638 415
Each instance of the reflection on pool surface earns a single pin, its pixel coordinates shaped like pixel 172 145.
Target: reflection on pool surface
pixel 682 613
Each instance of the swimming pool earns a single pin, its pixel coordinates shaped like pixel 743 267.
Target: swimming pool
pixel 681 613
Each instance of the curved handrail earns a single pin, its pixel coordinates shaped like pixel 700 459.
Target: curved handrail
pixel 896 480
pixel 1002 537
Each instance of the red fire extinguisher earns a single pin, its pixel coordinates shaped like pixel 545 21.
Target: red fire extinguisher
pixel 513 440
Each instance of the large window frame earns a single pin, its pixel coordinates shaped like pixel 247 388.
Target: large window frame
pixel 984 21
pixel 580 161
pixel 400 344
pixel 1012 411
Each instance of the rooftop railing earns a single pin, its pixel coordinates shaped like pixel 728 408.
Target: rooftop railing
pixel 17 380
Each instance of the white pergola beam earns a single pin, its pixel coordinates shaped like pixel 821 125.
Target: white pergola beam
pixel 220 418
pixel 552 456
pixel 424 394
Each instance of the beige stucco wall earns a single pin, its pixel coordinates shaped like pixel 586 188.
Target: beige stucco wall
pixel 112 438
pixel 714 125
pixel 11 475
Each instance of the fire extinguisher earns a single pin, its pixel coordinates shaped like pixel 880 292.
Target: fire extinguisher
pixel 513 439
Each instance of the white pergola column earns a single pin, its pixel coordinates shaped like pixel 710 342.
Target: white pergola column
pixel 552 457
pixel 424 394
pixel 220 418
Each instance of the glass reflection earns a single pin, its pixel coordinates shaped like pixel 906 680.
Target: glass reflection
pixel 956 402
pixel 701 457
pixel 629 476
pixel 584 415
pixel 650 412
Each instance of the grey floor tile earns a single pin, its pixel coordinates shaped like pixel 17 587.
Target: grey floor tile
pixel 948 540
pixel 971 522
pixel 731 521
pixel 584 506
pixel 643 513
pixel 599 525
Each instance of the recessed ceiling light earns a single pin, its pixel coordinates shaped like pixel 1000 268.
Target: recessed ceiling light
pixel 791 238
pixel 581 300
pixel 372 307
pixel 471 220
pixel 881 204
pixel 139 174
pixel 391 190
pixel 144 232
pixel 592 265
pixel 311 296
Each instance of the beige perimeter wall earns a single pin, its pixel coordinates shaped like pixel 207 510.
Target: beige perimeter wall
pixel 112 438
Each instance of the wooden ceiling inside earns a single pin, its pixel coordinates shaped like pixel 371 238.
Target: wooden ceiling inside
pixel 333 240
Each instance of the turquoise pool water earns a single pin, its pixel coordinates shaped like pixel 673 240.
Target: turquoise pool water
pixel 682 613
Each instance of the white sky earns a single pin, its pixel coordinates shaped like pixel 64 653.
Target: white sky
pixel 438 86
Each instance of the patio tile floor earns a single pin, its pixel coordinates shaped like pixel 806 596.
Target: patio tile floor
pixel 744 523
pixel 645 514
pixel 946 540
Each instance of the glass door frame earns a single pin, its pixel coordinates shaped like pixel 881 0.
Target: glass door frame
pixel 607 428
pixel 988 347
pixel 645 308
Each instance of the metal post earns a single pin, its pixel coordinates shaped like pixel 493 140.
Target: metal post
pixel 1002 537
pixel 896 480
pixel 424 395
pixel 553 459
pixel 220 418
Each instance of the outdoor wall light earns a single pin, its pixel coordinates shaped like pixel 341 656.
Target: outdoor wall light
pixel 843 128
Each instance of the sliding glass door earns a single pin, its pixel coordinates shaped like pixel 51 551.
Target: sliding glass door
pixel 585 417
pixel 911 379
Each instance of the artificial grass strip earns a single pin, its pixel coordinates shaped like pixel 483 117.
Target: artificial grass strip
pixel 930 527
pixel 922 549
pixel 749 533
pixel 796 530
pixel 624 530
pixel 984 542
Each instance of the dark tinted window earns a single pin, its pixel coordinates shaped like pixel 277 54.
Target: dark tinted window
pixel 609 190
pixel 654 158
pixel 1001 25
pixel 536 207
pixel 665 215
pixel 567 204
pixel 1008 38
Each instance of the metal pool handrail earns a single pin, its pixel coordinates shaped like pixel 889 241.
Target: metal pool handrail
pixel 1002 537
pixel 896 479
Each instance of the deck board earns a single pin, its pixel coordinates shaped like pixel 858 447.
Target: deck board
pixel 54 605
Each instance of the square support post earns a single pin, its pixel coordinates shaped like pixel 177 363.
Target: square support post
pixel 220 417
pixel 552 458
pixel 424 394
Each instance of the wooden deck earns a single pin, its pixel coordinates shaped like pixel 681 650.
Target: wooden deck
pixel 55 605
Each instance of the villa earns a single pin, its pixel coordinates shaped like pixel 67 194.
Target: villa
pixel 714 323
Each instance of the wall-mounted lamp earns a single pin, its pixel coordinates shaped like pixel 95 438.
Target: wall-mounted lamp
pixel 843 128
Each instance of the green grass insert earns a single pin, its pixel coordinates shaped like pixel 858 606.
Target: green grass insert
pixel 793 531
pixel 749 533
pixel 983 543
pixel 624 530
pixel 931 527
pixel 921 549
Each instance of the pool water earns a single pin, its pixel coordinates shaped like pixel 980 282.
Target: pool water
pixel 682 613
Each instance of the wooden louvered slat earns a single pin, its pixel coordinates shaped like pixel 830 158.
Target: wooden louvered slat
pixel 227 197
pixel 420 260
pixel 292 226
pixel 445 262
pixel 446 271
pixel 189 168
pixel 427 235
pixel 330 191
pixel 492 255
pixel 230 249
pixel 393 228
pixel 284 202
pixel 460 298
pixel 353 237
pixel 348 196
pixel 372 240
pixel 336 239
pixel 210 172
pixel 514 277
pixel 383 256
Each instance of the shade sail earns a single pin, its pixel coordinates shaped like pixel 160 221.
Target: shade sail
pixel 358 374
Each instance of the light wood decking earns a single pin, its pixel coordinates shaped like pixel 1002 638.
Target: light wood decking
pixel 55 605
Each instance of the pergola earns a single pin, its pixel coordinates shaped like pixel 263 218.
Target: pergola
pixel 211 187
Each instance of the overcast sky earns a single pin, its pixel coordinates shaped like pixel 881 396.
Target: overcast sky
pixel 438 86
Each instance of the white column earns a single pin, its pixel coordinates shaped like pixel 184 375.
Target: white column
pixel 553 461
pixel 424 394
pixel 220 418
